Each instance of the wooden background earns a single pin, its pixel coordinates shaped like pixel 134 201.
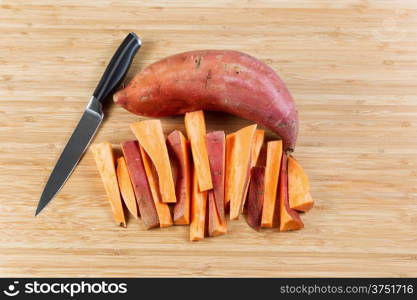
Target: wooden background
pixel 351 66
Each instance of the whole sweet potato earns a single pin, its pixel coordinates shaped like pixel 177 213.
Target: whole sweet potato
pixel 218 80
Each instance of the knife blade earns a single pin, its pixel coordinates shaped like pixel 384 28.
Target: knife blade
pixel 90 120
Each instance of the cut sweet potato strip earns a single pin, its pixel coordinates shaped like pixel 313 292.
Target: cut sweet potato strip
pixel 258 141
pixel 289 218
pixel 256 197
pixel 305 204
pixel 178 147
pixel 216 143
pixel 196 132
pixel 272 171
pixel 140 184
pixel 298 187
pixel 125 186
pixel 240 163
pixel 198 211
pixel 216 226
pixel 104 157
pixel 151 137
pixel 230 140
pixel 162 209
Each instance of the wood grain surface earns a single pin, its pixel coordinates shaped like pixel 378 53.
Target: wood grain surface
pixel 351 66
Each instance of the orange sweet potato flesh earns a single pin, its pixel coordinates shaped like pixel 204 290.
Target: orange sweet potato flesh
pixel 239 169
pixel 218 80
pixel 196 131
pixel 298 187
pixel 289 218
pixel 178 146
pixel 272 172
pixel 216 226
pixel 140 184
pixel 256 197
pixel 104 157
pixel 125 186
pixel 198 211
pixel 258 141
pixel 230 140
pixel 151 137
pixel 216 147
pixel 162 209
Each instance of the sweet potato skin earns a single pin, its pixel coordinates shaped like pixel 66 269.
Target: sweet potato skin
pixel 179 150
pixel 216 147
pixel 140 184
pixel 256 197
pixel 217 80
pixel 162 209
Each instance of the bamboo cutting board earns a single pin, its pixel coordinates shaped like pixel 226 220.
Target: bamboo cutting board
pixel 351 66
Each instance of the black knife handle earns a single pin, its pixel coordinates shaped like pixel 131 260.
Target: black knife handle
pixel 117 67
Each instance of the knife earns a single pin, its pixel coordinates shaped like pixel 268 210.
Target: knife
pixel 90 120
